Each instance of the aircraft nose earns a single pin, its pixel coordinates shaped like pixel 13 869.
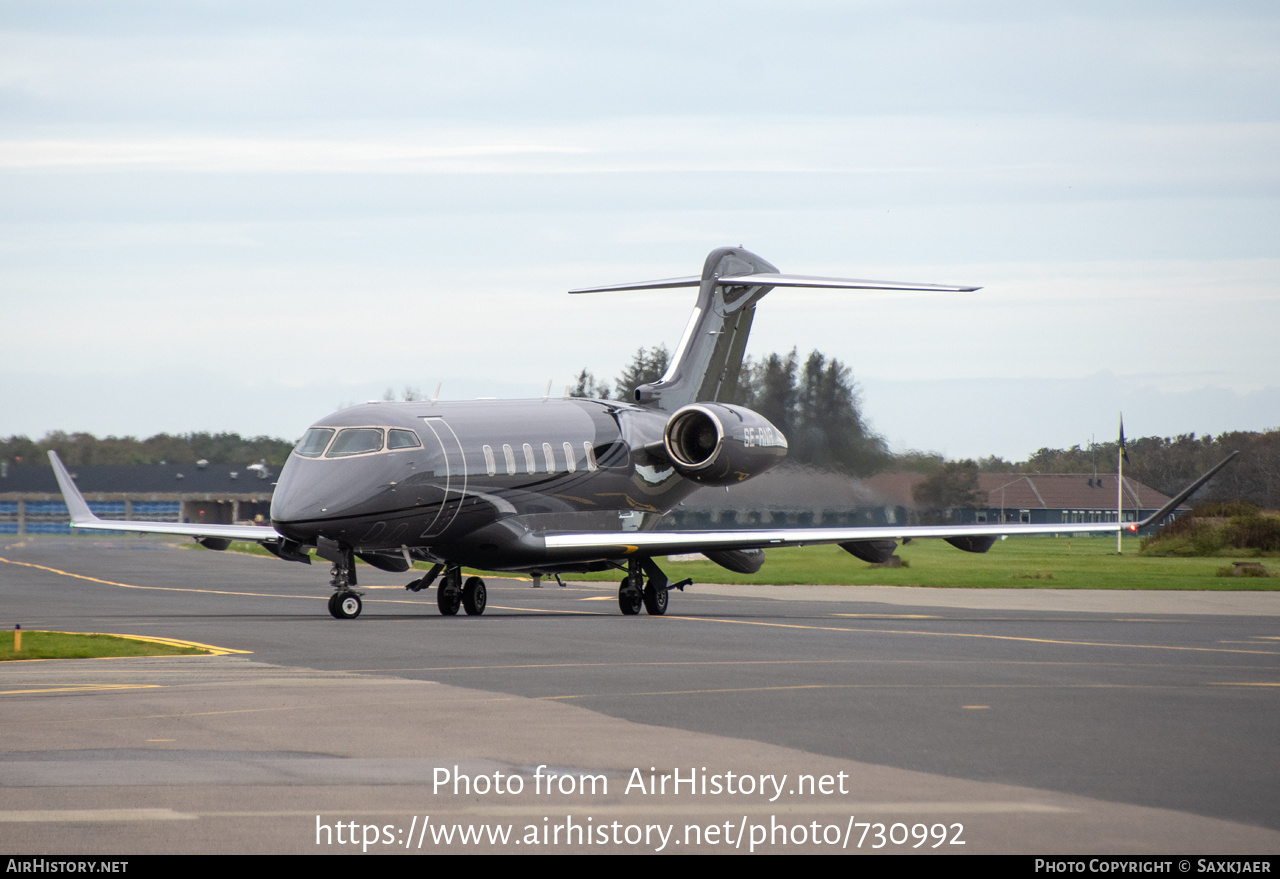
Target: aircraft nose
pixel 294 502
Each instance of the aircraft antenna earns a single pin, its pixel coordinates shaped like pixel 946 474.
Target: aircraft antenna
pixel 436 395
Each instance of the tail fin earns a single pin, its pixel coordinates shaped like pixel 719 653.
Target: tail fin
pixel 707 361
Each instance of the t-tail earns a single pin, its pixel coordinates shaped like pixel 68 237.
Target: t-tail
pixel 707 361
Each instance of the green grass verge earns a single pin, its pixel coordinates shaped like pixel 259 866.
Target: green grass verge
pixel 70 645
pixel 1016 563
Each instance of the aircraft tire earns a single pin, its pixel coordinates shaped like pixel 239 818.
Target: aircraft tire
pixel 474 596
pixel 655 600
pixel 346 605
pixel 448 600
pixel 333 605
pixel 629 598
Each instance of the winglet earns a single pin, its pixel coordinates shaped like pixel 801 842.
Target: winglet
pixel 76 506
pixel 1182 495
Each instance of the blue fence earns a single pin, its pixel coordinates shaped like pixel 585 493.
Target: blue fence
pixel 51 517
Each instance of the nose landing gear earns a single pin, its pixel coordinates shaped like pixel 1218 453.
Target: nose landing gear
pixel 345 605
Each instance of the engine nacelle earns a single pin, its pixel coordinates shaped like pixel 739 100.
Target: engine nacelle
pixel 719 444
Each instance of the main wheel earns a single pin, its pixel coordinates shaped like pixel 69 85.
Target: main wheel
pixel 655 600
pixel 474 596
pixel 333 605
pixel 346 605
pixel 448 600
pixel 629 598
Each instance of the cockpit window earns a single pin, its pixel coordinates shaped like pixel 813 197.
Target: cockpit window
pixel 402 439
pixel 356 441
pixel 313 442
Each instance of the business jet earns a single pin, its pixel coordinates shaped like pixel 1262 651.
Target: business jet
pixel 550 486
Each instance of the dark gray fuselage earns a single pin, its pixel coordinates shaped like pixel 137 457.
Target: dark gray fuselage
pixel 487 479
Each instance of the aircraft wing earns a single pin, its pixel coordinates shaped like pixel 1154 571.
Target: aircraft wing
pixel 975 537
pixel 83 517
pixel 667 542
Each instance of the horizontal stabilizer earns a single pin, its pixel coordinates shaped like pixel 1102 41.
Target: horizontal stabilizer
pixel 665 284
pixel 771 279
pixel 706 364
pixel 840 283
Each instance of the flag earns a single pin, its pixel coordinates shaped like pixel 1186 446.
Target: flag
pixel 1123 454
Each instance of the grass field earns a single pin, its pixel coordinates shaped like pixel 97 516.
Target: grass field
pixel 70 645
pixel 1017 563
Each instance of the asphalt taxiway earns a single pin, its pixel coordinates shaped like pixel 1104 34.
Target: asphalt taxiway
pixel 1036 721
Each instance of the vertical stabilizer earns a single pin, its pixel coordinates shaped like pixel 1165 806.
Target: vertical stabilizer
pixel 707 361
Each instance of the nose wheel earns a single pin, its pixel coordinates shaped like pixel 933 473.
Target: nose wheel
pixel 345 605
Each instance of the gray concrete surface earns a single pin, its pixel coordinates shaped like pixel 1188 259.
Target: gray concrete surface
pixel 1076 727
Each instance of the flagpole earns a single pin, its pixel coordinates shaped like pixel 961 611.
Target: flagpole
pixel 1120 486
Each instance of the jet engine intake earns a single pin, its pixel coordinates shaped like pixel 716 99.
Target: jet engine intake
pixel 719 444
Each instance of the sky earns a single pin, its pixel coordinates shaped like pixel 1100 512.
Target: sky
pixel 234 216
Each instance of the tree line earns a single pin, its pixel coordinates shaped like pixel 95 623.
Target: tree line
pixel 814 401
pixel 83 449
pixel 1167 464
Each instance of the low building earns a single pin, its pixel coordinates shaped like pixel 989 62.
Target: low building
pixel 793 496
pixel 1038 498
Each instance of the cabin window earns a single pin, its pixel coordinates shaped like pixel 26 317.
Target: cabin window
pixel 488 461
pixel 313 442
pixel 511 459
pixel 402 439
pixel 591 457
pixel 549 456
pixel 356 441
pixel 569 463
pixel 529 464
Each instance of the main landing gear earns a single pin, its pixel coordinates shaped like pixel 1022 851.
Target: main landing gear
pixel 630 595
pixel 654 594
pixel 452 593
